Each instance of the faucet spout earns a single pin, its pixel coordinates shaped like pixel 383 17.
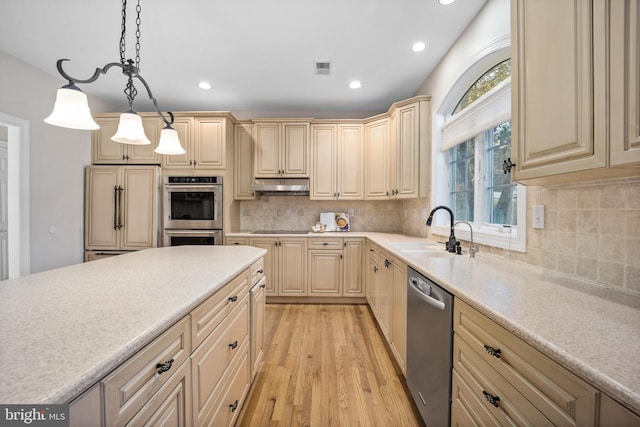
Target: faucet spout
pixel 473 247
pixel 452 245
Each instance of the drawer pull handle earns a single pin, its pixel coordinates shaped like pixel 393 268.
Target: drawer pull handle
pixel 233 298
pixel 494 400
pixel 264 285
pixel 234 406
pixel 325 243
pixel 260 271
pixel 164 367
pixel 495 352
pixel 233 345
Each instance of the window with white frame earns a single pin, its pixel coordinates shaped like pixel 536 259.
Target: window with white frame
pixel 476 140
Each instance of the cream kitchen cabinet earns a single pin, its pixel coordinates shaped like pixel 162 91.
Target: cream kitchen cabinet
pixel 397 152
pixel 121 207
pixel 281 149
pixel 335 267
pixel 205 141
pixel 337 161
pixel 285 264
pixel 376 160
pixel 500 379
pixel 387 297
pixel 106 151
pixel 574 90
pixel 257 306
pixel 243 158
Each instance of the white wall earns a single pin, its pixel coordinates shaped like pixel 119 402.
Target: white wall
pixel 57 160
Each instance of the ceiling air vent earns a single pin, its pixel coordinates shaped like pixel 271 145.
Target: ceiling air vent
pixel 323 68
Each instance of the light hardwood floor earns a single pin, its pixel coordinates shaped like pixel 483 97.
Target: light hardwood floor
pixel 325 365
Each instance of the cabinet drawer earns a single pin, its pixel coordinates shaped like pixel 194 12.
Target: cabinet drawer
pixel 561 396
pixel 510 407
pixel 257 271
pixel 325 243
pixel 236 387
pixel 128 388
pixel 171 405
pixel 466 408
pixel 208 315
pixel 211 360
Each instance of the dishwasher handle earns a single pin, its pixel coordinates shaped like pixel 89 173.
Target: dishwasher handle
pixel 424 297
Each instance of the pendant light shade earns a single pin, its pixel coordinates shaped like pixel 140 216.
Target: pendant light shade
pixel 71 110
pixel 130 130
pixel 169 142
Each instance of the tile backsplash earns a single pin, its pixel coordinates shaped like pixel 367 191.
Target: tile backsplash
pixel 592 230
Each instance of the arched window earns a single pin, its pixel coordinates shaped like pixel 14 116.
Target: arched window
pixel 476 139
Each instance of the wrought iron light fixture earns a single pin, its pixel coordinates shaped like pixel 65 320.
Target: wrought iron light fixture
pixel 71 109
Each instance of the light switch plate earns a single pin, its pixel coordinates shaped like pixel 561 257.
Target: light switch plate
pixel 538 216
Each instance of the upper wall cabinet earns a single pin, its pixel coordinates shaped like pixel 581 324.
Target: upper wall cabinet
pixel 204 140
pixel 106 151
pixel 281 149
pixel 397 152
pixel 567 70
pixel 337 162
pixel 243 158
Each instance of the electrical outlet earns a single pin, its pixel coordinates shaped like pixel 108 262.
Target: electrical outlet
pixel 538 216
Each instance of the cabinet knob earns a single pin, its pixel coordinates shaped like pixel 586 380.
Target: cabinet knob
pixel 494 400
pixel 507 165
pixel 233 298
pixel 260 271
pixel 234 406
pixel 233 345
pixel 263 285
pixel 495 352
pixel 164 367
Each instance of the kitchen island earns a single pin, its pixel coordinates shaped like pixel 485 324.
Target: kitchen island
pixel 63 330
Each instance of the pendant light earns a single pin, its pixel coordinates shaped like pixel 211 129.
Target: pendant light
pixel 71 109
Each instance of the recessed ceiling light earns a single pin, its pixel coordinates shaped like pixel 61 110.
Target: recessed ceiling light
pixel 355 84
pixel 446 2
pixel 418 47
pixel 204 85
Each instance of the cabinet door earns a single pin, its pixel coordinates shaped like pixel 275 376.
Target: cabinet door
pixel 625 83
pixel 184 127
pixel 350 164
pixel 267 150
pixel 399 314
pixel 376 160
pixel 323 162
pixel 243 158
pixel 293 266
pixel 271 262
pixel 407 149
pixel 295 150
pixel 352 284
pixel 558 113
pixel 100 208
pixel 258 300
pixel 325 273
pixel 103 149
pixel 210 143
pixel 139 207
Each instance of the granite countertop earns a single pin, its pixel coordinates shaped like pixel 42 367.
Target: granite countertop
pixel 63 330
pixel 591 330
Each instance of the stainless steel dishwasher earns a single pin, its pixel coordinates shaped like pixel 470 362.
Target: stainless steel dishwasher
pixel 429 348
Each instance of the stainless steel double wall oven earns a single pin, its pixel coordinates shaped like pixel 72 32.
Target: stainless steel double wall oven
pixel 192 210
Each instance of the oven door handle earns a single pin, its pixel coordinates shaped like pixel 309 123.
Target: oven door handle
pixel 183 188
pixel 424 297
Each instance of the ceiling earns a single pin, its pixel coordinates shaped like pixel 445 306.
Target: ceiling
pixel 258 55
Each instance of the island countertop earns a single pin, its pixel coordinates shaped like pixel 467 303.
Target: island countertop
pixel 63 330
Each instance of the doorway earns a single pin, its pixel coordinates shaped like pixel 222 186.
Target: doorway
pixel 15 248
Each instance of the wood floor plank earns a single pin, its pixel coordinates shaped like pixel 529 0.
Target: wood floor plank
pixel 325 365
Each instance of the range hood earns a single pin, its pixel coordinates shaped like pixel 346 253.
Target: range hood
pixel 281 186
